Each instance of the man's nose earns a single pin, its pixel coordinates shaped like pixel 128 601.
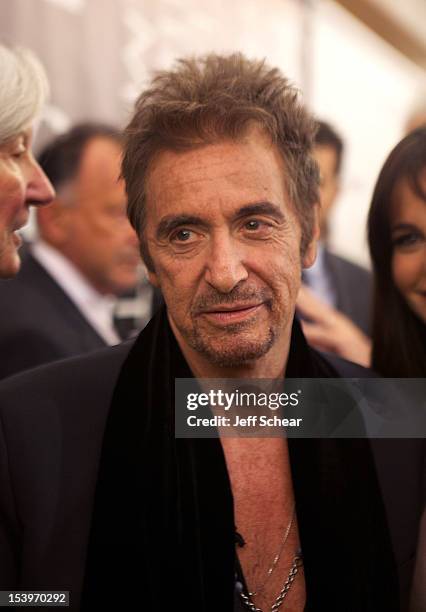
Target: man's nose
pixel 225 267
pixel 39 189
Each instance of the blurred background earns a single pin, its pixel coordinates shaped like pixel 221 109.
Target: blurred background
pixel 361 65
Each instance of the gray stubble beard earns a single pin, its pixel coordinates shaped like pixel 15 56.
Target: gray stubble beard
pixel 241 355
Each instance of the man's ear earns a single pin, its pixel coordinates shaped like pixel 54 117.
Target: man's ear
pixel 147 261
pixel 310 254
pixel 153 279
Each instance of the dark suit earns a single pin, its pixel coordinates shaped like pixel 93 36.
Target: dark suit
pixel 39 323
pixel 51 432
pixel 49 454
pixel 353 288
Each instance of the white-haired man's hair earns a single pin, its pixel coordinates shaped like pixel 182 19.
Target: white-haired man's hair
pixel 23 90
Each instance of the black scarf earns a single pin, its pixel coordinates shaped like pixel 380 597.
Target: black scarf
pixel 162 534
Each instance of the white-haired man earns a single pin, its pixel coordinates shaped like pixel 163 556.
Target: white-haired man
pixel 23 89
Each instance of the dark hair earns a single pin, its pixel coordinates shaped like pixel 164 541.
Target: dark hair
pixel 60 159
pixel 326 136
pixel 212 98
pixel 399 336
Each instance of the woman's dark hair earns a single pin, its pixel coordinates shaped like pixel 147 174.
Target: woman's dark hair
pixel 399 335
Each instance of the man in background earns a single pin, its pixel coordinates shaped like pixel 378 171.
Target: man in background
pixel 335 280
pixel 62 302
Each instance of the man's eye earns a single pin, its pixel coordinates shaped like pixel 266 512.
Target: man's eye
pixel 182 235
pixel 259 228
pixel 19 152
pixel 253 225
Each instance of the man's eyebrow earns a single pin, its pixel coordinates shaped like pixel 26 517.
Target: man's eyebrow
pixel 168 224
pixel 261 208
pixel 16 138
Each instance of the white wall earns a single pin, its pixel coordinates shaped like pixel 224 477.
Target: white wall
pixel 366 89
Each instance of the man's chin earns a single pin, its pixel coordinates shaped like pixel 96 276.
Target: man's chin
pixel 10 263
pixel 233 354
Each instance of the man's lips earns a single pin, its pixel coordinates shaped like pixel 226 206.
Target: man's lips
pixel 20 223
pixel 231 313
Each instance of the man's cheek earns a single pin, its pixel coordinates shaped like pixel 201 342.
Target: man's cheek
pixel 175 270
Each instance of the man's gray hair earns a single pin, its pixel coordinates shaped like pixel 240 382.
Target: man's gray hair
pixel 23 90
pixel 214 98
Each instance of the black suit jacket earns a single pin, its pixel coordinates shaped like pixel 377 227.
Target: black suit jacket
pixel 353 287
pixel 51 432
pixel 52 421
pixel 39 323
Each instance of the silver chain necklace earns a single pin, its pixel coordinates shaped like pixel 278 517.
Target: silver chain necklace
pixel 277 556
pixel 297 563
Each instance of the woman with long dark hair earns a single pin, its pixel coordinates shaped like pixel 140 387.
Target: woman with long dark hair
pixel 397 240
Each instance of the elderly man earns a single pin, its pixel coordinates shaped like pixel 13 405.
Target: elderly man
pixel 23 88
pixel 62 302
pixel 98 497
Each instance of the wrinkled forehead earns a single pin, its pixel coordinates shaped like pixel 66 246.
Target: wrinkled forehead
pixel 232 172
